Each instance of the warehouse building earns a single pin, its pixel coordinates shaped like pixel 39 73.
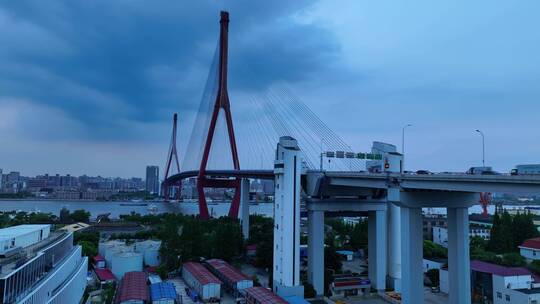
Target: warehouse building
pixel 202 281
pixel 163 293
pixel 232 278
pixel 133 289
pixel 261 295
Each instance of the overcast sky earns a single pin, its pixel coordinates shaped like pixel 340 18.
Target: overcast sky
pixel 90 86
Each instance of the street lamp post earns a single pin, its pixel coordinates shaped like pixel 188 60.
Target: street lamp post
pixel 483 148
pixel 403 147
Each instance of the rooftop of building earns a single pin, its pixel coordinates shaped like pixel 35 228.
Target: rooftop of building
pixel 229 272
pixel 529 290
pixel 75 227
pixel 133 287
pixel 201 274
pixel 23 255
pixel 263 295
pixel 499 270
pixel 104 274
pixel 18 230
pixel 98 258
pixel 533 243
pixel 162 290
pixel 296 300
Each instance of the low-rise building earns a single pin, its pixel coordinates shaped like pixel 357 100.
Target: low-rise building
pixel 530 249
pixel 433 263
pixel 440 234
pixel 163 293
pixel 261 295
pixel 498 284
pixel 133 289
pixel 202 281
pixel 344 285
pixel 104 275
pixel 233 279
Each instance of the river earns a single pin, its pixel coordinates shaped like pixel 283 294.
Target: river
pixel 117 208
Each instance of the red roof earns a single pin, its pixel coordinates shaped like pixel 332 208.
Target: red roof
pixel 200 273
pixel 498 269
pixel 133 287
pixel 230 273
pixel 104 274
pixel 98 258
pixel 532 243
pixel 263 295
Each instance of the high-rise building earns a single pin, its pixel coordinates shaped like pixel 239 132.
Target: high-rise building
pixel 152 179
pixel 40 266
pixel 1 180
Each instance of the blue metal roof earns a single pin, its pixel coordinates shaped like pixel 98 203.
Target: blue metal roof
pixel 162 290
pixel 296 300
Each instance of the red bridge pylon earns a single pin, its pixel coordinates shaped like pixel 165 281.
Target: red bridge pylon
pixel 485 200
pixel 222 102
pixel 172 154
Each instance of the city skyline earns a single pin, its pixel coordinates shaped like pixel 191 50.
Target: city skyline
pixel 116 87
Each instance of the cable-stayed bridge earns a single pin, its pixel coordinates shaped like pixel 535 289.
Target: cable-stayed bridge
pixel 280 138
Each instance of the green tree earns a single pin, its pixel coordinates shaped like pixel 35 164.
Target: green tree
pixel 523 228
pixel 88 249
pixel 309 291
pixel 432 250
pixel 513 259
pixel 80 216
pixel 534 266
pixel 433 276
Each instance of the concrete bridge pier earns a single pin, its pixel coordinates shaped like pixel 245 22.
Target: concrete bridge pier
pixel 457 203
pixel 412 277
pixel 244 207
pixel 459 268
pixel 316 250
pixel 377 249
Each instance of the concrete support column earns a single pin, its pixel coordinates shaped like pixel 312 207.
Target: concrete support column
pixel 244 207
pixel 459 277
pixel 377 249
pixel 316 250
pixel 394 247
pixel 412 278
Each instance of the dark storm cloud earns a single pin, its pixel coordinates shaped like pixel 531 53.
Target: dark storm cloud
pixel 108 62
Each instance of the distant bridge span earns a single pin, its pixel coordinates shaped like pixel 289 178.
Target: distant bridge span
pixel 258 174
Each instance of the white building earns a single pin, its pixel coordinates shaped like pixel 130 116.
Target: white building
pixel 440 234
pixel 22 236
pixel 433 263
pixel 46 268
pixel 499 284
pixel 530 249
